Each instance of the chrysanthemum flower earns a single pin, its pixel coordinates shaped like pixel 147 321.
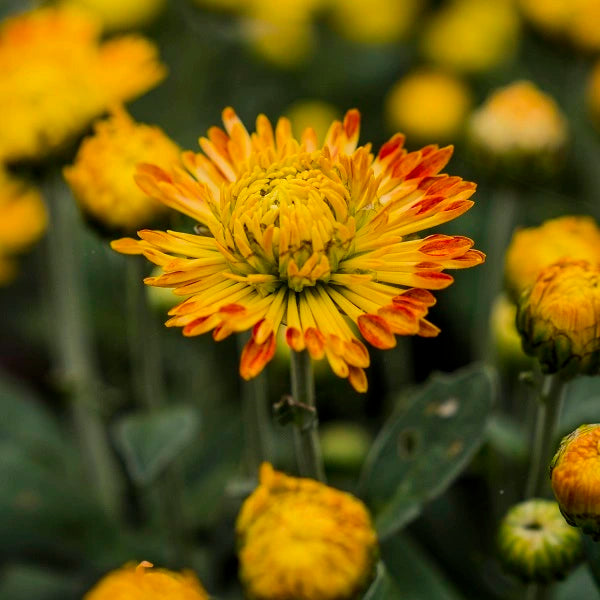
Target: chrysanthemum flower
pixel 144 583
pixel 312 237
pixel 533 248
pixel 57 77
pixel 559 318
pixel 102 177
pixel 302 540
pixel 536 544
pixel 576 478
pixel 24 220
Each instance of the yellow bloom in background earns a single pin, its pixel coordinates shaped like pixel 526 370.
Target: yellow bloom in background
pixel 320 239
pixel 102 176
pixel 534 248
pixel 428 105
pixel 374 21
pixel 506 340
pixel 311 113
pixel 576 478
pixel 120 14
pixel 559 319
pixel 472 36
pixel 302 540
pixel 144 583
pixel 573 20
pixel 520 128
pixel 57 77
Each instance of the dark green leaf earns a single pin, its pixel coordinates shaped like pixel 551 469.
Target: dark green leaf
pixel 383 587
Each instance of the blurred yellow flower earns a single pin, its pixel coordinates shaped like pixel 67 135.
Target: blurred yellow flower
pixel 144 583
pixel 302 540
pixel 120 14
pixel 307 235
pixel 574 20
pixel 311 113
pixel 506 340
pixel 534 248
pixel 102 176
pixel 576 478
pixel 471 36
pixel 428 105
pixel 57 76
pixel 559 318
pixel 519 128
pixel 374 21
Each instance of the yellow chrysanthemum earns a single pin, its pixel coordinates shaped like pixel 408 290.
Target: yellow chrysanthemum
pixel 505 337
pixel 102 177
pixel 120 14
pixel 429 105
pixel 574 20
pixel 374 21
pixel 471 36
pixel 576 478
pixel 559 319
pixel 534 248
pixel 302 540
pixel 144 583
pixel 312 113
pixel 308 236
pixel 57 76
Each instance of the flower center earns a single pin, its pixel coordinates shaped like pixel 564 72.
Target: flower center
pixel 291 220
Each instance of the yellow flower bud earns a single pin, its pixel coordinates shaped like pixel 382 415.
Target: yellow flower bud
pixel 302 540
pixel 534 248
pixel 472 36
pixel 520 129
pixel 536 544
pixel 344 445
pixel 102 176
pixel 505 337
pixel 143 583
pixel 428 105
pixel 576 478
pixel 311 113
pixel 559 318
pixel 120 14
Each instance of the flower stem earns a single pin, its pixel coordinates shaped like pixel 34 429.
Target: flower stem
pixel 72 344
pixel 306 437
pixel 548 411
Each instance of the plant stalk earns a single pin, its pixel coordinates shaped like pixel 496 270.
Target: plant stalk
pixel 306 437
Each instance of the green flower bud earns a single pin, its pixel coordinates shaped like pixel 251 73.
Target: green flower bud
pixel 536 544
pixel 344 445
pixel 559 318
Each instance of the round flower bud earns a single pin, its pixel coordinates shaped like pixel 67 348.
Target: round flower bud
pixel 534 248
pixel 120 14
pixel 344 445
pixel 428 105
pixel 102 176
pixel 506 340
pixel 302 540
pixel 576 478
pixel 519 129
pixel 536 544
pixel 488 31
pixel 559 319
pixel 144 583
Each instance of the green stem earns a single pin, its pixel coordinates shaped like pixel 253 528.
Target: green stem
pixel 256 418
pixel 546 422
pixel 72 342
pixel 306 437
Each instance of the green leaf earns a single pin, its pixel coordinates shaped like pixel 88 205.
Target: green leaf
pixel 150 441
pixel 383 587
pixel 422 449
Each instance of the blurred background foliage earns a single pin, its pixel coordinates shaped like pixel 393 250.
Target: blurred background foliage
pixel 323 59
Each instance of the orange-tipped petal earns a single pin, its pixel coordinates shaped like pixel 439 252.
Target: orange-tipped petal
pixel 376 331
pixel 256 356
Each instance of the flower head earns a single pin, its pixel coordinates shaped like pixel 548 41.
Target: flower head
pixel 520 126
pixel 533 248
pixel 102 177
pixel 118 15
pixel 471 36
pixel 313 237
pixel 575 475
pixel 536 544
pixel 300 539
pixel 57 77
pixel 559 318
pixel 429 105
pixel 144 583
